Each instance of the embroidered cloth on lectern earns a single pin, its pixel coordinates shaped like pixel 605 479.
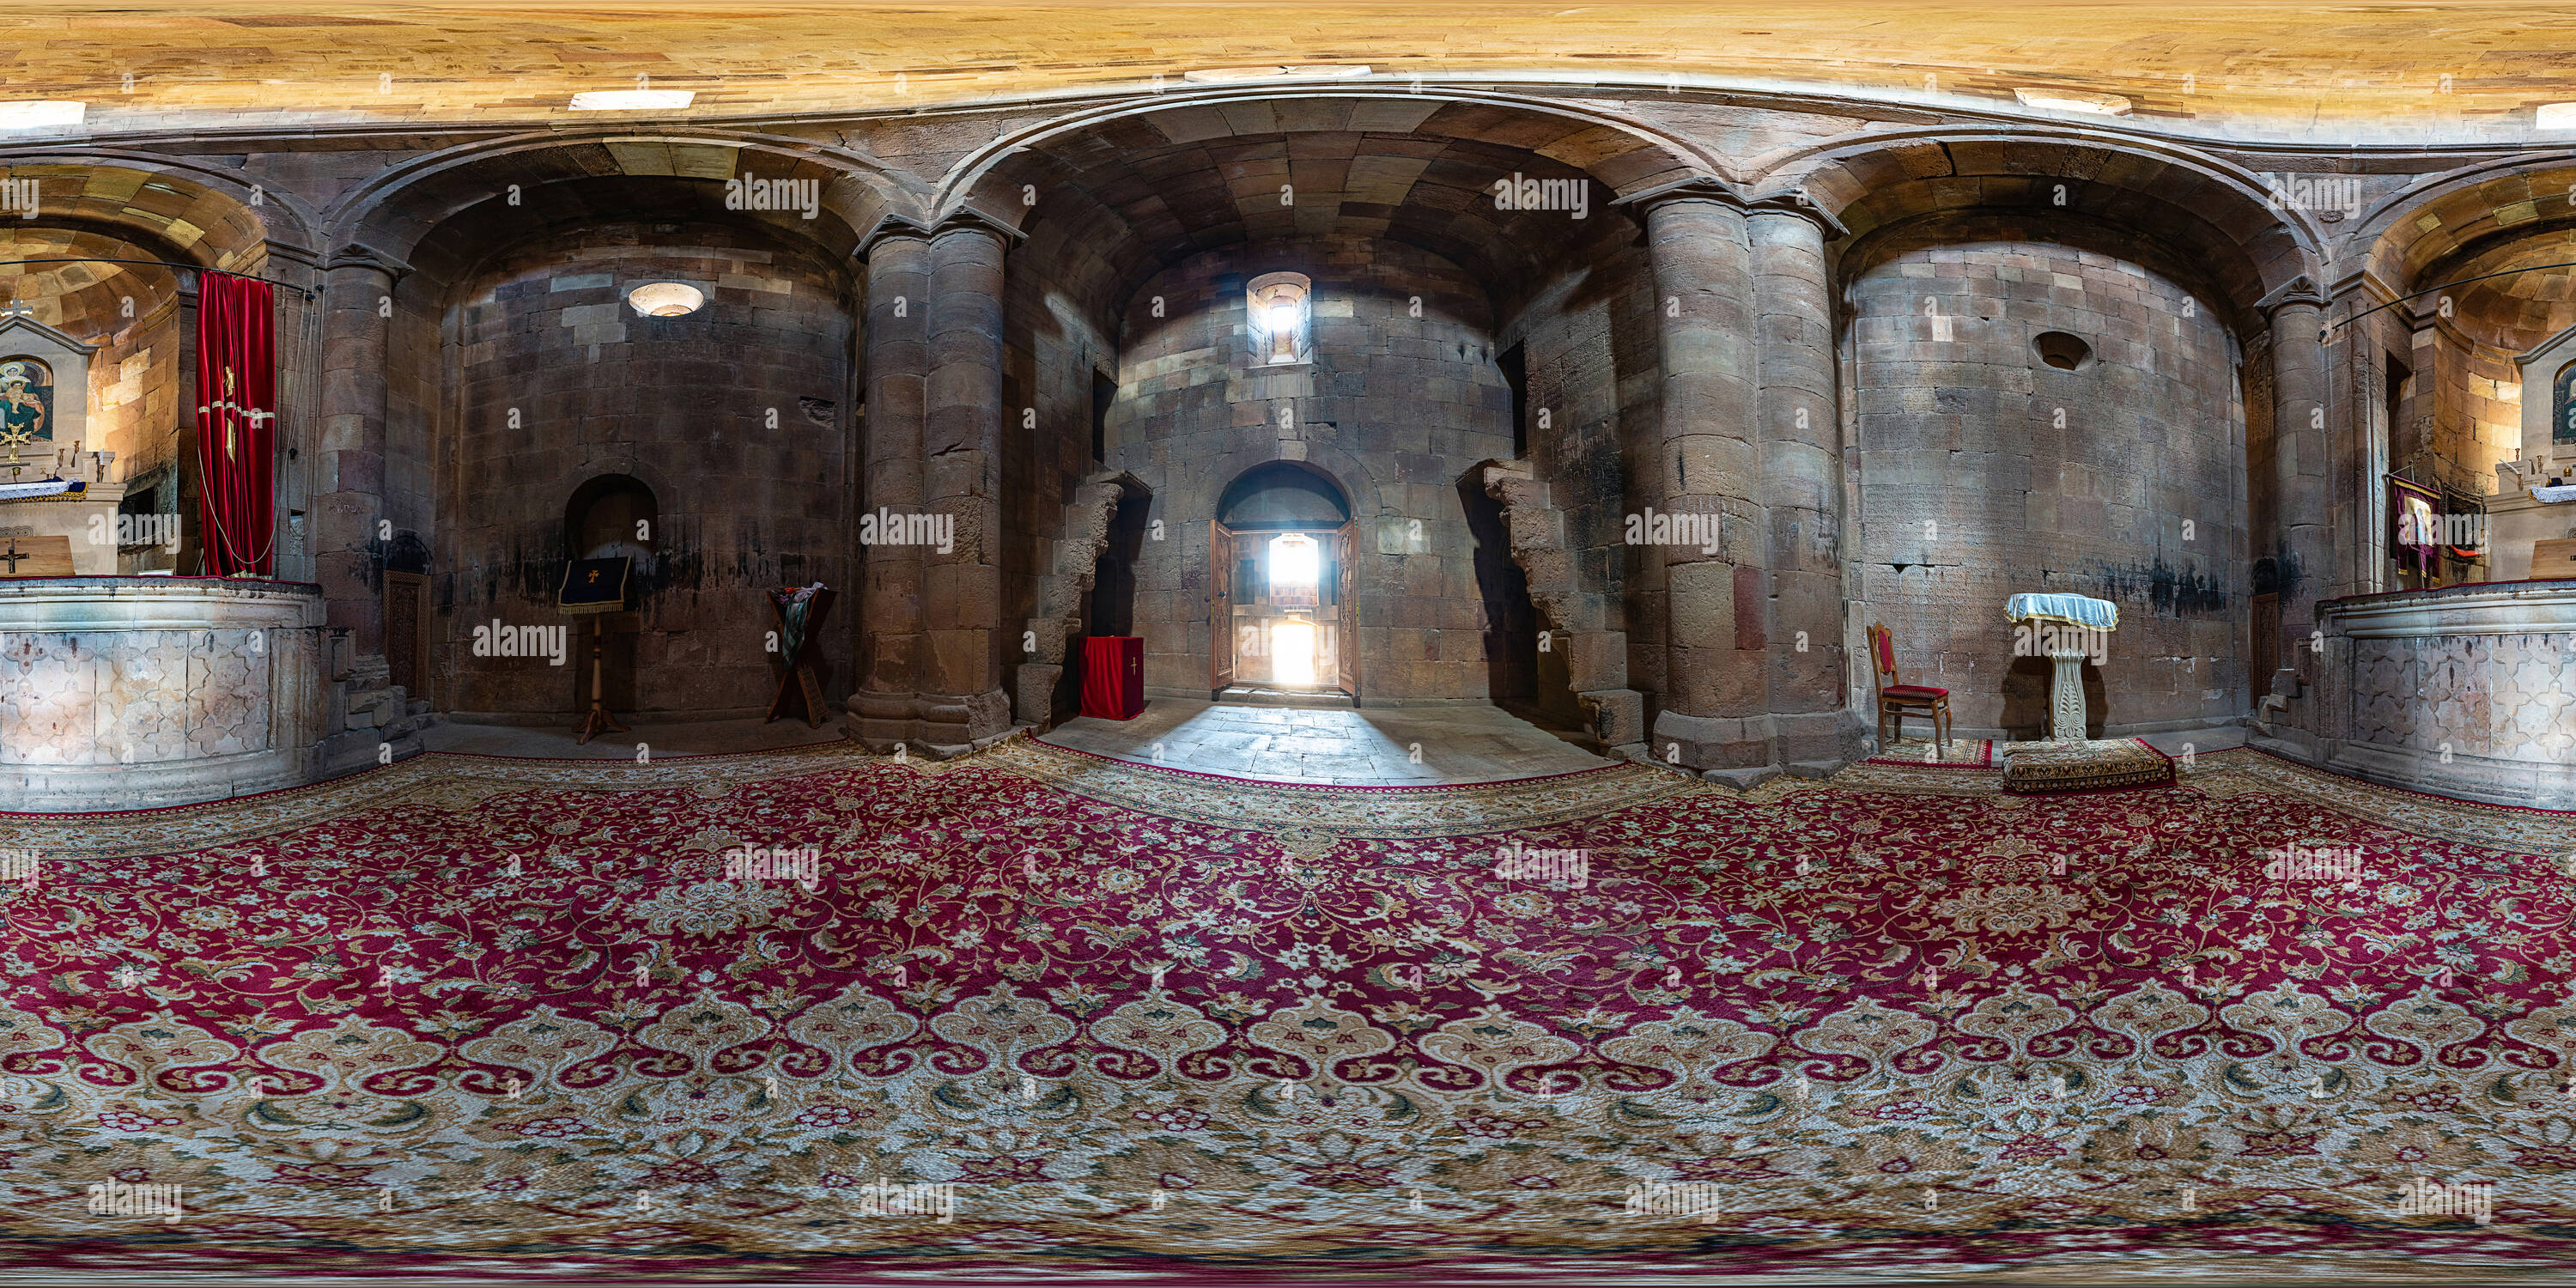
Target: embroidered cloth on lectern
pixel 2567 493
pixel 2075 610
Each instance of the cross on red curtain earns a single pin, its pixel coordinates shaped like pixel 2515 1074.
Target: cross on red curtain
pixel 236 424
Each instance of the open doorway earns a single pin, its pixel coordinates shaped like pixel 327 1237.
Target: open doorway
pixel 1282 572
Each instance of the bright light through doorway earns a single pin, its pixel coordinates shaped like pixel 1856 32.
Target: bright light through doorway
pixel 1296 566
pixel 1292 656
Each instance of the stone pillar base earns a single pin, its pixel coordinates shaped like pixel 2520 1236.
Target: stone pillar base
pixel 1618 719
pixel 1751 750
pixel 1033 692
pixel 957 724
pixel 879 720
pixel 1743 780
pixel 1802 737
pixel 1704 743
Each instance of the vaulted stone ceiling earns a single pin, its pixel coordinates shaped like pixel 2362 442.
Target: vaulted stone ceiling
pixel 2362 70
pixel 90 300
pixel 2517 313
pixel 1147 189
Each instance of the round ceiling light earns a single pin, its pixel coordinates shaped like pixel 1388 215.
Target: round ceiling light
pixel 666 299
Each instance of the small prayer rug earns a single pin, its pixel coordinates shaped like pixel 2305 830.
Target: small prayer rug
pixel 2099 765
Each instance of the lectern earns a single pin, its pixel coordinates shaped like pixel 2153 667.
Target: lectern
pixel 594 588
pixel 2066 626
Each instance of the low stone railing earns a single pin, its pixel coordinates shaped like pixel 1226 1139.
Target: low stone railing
pixel 2464 691
pixel 127 692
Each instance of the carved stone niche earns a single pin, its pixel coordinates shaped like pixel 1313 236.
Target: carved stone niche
pixel 55 369
pixel 44 434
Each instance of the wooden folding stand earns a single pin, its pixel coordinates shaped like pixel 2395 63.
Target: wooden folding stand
pixel 799 682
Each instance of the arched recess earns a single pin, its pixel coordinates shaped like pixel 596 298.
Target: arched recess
pixel 1125 190
pixel 112 203
pixel 612 515
pixel 2446 217
pixel 2215 213
pixel 1279 621
pixel 1136 199
pixel 514 353
pixel 2450 381
pixel 200 214
pixel 516 179
pixel 2131 230
pixel 608 516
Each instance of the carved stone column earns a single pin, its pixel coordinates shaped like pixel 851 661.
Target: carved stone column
pixel 356 339
pixel 1802 472
pixel 1714 700
pixel 883 710
pixel 962 703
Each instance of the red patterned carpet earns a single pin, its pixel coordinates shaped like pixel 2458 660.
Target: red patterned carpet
pixel 1859 1028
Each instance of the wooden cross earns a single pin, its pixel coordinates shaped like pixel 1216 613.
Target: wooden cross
pixel 12 557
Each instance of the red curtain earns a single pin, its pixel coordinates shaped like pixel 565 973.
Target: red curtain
pixel 236 424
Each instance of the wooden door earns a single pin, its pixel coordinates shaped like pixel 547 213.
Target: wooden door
pixel 1344 575
pixel 407 631
pixel 1220 607
pixel 2267 642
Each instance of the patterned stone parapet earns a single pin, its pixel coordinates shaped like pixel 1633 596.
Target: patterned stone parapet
pixel 2466 690
pixel 128 692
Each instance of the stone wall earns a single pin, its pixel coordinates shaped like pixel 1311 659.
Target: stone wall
pixel 682 403
pixel 1972 489
pixel 1055 340
pixel 1396 408
pixel 134 393
pixel 1588 338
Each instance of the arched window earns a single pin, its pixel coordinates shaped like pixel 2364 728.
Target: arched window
pixel 1282 315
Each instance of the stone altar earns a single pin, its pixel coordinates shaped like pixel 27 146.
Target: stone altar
pixel 87 517
pixel 130 692
pixel 2519 520
pixel 2461 690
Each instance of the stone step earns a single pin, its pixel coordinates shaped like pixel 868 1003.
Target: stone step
pixel 1244 695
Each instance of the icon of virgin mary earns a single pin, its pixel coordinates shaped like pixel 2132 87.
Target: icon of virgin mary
pixel 26 403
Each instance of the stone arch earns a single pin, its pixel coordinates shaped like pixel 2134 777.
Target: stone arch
pixel 1625 154
pixel 201 217
pixel 1327 461
pixel 2469 208
pixel 395 212
pixel 200 214
pixel 1259 478
pixel 1127 189
pixel 592 501
pixel 2213 212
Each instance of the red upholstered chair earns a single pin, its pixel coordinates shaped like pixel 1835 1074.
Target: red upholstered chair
pixel 1896 699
